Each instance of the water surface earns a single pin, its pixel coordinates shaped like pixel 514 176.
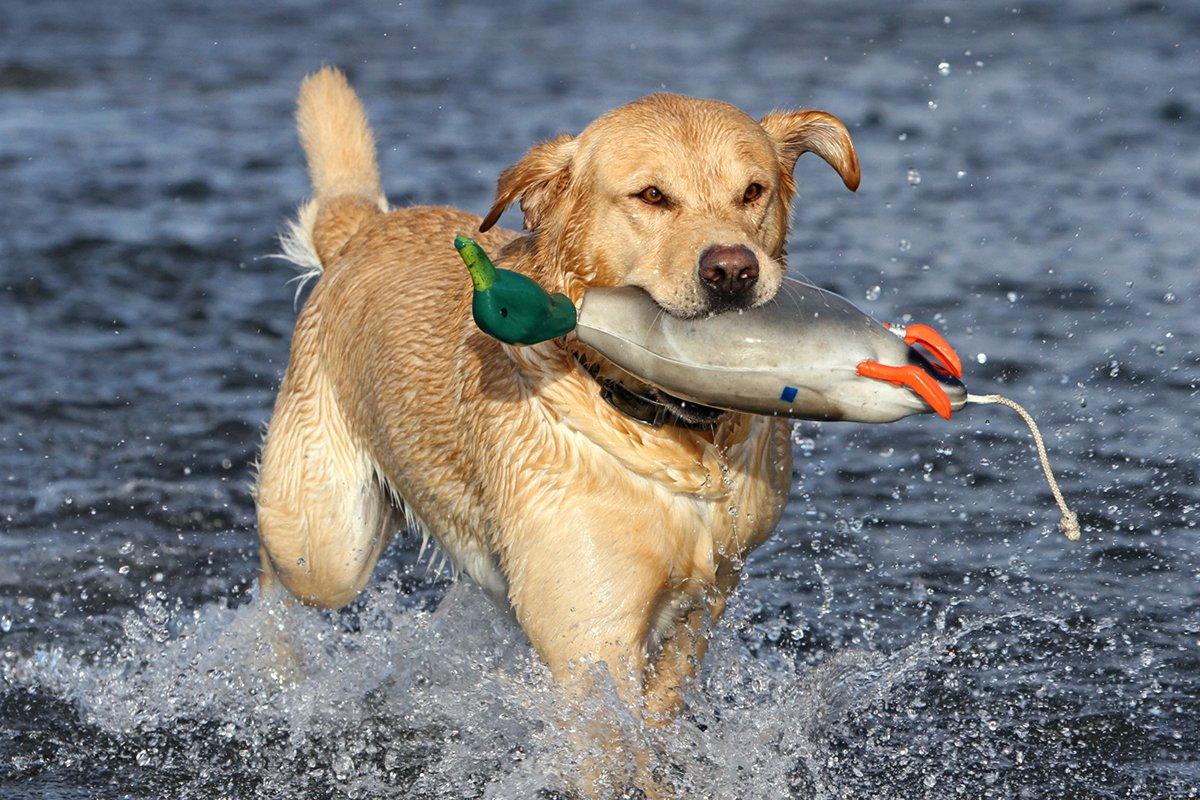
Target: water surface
pixel 916 629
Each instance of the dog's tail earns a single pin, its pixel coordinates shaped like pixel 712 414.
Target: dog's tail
pixel 341 164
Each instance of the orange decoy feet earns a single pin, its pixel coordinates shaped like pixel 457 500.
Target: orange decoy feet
pixel 914 378
pixel 936 344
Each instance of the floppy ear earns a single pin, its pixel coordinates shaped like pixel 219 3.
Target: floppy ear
pixel 798 132
pixel 535 179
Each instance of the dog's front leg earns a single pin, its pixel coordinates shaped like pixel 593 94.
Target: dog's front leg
pixel 584 585
pixel 585 606
pixel 680 654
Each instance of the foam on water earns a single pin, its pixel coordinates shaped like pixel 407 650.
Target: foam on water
pixel 395 701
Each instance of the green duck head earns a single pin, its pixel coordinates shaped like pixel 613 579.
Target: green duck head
pixel 509 306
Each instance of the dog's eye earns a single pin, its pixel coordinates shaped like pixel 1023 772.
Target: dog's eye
pixel 753 192
pixel 652 196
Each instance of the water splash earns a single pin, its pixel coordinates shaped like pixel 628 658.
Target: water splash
pixel 393 701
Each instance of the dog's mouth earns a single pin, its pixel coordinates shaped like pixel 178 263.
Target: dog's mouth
pixel 723 306
pixel 709 306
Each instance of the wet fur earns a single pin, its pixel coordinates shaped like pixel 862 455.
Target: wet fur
pixel 610 540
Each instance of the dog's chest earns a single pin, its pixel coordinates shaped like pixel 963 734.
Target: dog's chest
pixel 715 532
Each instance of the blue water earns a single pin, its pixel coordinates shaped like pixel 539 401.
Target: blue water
pixel 916 629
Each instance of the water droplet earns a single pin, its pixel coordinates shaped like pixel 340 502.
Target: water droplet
pixel 914 178
pixel 903 137
pixel 981 358
pixel 873 293
pixel 1012 297
pixel 946 20
pixel 932 105
pixel 300 562
pixel 944 68
pixel 905 245
pixel 5 624
pixel 960 174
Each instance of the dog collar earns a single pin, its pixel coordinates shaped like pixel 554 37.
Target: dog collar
pixel 647 407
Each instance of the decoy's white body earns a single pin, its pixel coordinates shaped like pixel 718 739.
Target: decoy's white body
pixel 795 356
pixel 808 354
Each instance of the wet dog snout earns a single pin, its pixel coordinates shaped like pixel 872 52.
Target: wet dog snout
pixel 728 271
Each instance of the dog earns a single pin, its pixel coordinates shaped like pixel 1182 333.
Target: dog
pixel 611 518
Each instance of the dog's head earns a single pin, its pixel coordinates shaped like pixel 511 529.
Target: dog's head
pixel 688 199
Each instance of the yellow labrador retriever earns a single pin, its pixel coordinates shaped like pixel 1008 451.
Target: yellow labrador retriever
pixel 612 518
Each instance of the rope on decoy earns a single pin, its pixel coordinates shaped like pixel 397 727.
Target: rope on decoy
pixel 1069 523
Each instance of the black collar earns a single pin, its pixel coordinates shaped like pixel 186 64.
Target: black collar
pixel 652 406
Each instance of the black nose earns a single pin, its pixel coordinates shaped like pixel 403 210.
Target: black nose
pixel 728 270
